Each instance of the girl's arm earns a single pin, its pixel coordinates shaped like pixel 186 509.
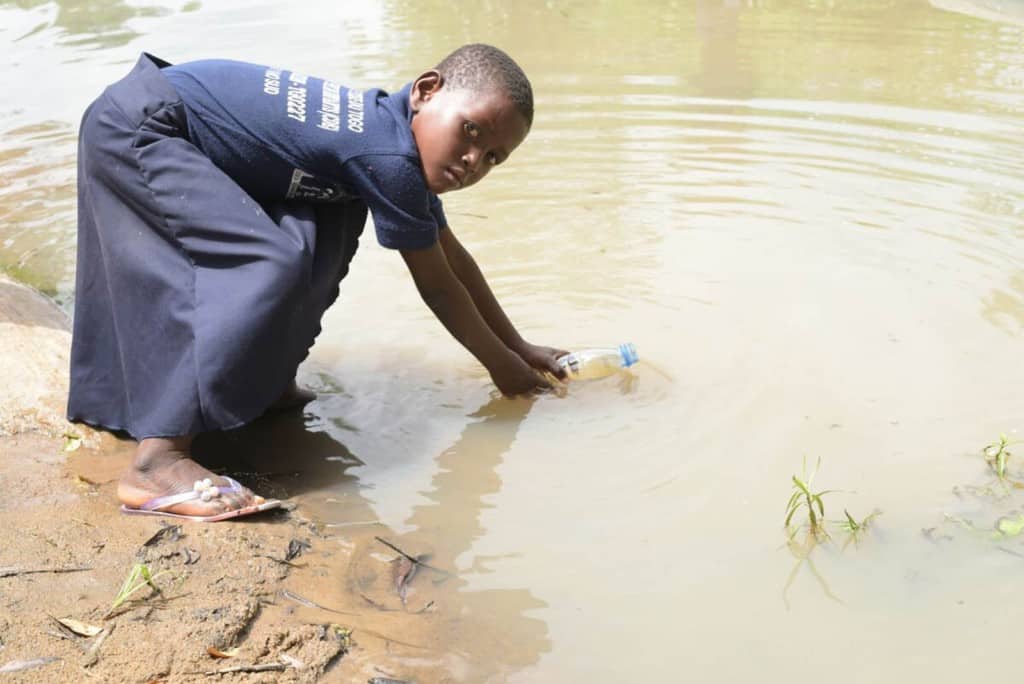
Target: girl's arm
pixel 451 301
pixel 466 270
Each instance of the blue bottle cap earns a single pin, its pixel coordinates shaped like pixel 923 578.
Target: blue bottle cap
pixel 628 353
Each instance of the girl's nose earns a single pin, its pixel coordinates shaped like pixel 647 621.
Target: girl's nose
pixel 470 158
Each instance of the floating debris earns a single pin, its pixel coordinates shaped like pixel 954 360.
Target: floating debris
pixel 296 547
pixel 420 560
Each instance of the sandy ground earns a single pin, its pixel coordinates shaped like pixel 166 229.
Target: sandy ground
pixel 245 588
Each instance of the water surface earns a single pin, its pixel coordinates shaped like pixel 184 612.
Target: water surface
pixel 808 216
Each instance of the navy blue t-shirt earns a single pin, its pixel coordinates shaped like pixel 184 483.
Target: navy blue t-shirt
pixel 282 135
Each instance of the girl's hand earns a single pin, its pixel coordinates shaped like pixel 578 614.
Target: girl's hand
pixel 544 359
pixel 514 377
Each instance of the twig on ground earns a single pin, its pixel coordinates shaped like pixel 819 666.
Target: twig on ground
pixel 268 667
pixel 302 600
pixel 282 561
pixel 13 570
pixel 414 559
pixel 377 605
pixel 93 654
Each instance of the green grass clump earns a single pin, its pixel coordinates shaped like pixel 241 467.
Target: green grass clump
pixel 803 497
pixel 140 576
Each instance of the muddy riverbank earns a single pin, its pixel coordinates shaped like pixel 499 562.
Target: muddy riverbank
pixel 251 589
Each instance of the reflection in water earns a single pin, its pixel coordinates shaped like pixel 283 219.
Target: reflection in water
pixel 725 69
pixel 37 205
pixel 487 632
pixel 802 551
pixel 466 476
pixel 1004 308
pixel 92 24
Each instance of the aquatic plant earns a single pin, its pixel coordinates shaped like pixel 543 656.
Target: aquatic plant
pixel 851 525
pixel 997 454
pixel 853 528
pixel 804 497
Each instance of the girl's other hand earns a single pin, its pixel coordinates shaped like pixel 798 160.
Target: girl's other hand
pixel 514 377
pixel 544 359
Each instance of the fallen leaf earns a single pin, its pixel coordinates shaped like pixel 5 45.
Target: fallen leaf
pixel 402 571
pixel 71 441
pixel 217 653
pixel 295 548
pixel 80 628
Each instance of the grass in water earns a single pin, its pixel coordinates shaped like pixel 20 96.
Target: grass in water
pixel 804 497
pixel 853 528
pixel 997 454
pixel 139 577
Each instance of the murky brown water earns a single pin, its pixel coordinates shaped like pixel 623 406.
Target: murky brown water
pixel 809 217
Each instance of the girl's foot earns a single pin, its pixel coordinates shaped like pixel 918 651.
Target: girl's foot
pixel 292 398
pixel 162 467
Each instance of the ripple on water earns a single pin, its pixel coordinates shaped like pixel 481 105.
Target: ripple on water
pixel 37 205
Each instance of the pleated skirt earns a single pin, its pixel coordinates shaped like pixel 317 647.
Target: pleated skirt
pixel 194 303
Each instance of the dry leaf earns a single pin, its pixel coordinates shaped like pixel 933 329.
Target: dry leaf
pixel 71 441
pixel 217 653
pixel 80 628
pixel 292 661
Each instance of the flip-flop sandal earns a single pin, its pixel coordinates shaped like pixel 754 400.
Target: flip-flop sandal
pixel 204 490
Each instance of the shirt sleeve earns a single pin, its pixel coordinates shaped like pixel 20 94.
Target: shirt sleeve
pixel 406 215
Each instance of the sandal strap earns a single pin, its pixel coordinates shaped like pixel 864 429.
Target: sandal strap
pixel 162 502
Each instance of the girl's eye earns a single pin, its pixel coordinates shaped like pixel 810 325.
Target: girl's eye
pixel 471 129
pixel 492 159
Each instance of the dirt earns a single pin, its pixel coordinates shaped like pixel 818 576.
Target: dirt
pixel 252 589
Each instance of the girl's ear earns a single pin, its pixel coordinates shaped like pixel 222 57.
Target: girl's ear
pixel 424 87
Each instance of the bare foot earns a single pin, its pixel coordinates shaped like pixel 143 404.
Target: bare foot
pixel 162 466
pixel 292 398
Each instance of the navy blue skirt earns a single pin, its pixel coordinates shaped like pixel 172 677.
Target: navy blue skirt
pixel 194 303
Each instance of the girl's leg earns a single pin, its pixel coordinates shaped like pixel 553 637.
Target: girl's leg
pixel 163 466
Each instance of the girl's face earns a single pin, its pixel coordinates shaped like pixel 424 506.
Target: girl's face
pixel 461 135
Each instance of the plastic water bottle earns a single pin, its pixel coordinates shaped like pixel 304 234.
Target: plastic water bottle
pixel 591 364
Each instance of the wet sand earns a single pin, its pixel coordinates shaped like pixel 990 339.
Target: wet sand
pixel 65 551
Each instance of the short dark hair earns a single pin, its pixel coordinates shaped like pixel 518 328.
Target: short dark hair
pixel 482 67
